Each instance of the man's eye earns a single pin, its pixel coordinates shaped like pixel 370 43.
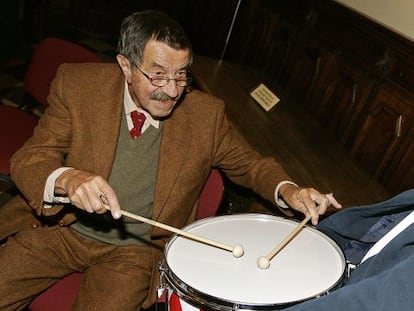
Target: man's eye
pixel 181 74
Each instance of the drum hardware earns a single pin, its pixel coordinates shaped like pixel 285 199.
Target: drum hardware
pixel 350 267
pixel 162 292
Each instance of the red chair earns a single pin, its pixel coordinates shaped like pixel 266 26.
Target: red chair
pixel 211 196
pixel 61 296
pixel 16 125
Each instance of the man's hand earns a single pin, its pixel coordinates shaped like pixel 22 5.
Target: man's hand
pixel 88 192
pixel 308 200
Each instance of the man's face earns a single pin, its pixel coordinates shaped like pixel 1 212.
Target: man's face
pixel 159 60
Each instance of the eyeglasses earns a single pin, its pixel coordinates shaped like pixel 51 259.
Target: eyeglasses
pixel 163 81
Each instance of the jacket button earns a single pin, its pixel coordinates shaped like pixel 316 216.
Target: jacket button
pixel 35 225
pixel 61 222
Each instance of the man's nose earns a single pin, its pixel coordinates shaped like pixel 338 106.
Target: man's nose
pixel 171 88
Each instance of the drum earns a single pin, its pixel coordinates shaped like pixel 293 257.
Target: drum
pixel 213 279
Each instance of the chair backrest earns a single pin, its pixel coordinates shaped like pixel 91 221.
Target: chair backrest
pixel 211 195
pixel 16 126
pixel 47 57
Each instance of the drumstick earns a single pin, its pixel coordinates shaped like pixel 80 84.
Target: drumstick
pixel 237 250
pixel 263 262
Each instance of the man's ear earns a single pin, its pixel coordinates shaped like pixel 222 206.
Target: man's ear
pixel 125 65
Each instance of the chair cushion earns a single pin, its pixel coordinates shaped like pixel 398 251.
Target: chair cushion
pixel 60 296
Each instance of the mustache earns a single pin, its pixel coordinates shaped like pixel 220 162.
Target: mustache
pixel 161 96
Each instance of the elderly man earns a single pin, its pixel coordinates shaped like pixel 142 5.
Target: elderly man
pixel 128 136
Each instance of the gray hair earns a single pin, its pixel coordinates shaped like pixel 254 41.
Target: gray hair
pixel 140 27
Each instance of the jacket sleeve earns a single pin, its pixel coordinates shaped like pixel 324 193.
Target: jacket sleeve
pixel 389 290
pixel 242 164
pixel 384 282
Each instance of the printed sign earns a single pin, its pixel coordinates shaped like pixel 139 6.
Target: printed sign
pixel 264 97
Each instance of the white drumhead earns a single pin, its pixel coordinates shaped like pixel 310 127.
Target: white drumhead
pixel 307 267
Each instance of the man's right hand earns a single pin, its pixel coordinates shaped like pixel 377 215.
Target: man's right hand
pixel 88 192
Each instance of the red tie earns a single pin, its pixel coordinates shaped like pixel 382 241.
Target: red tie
pixel 138 120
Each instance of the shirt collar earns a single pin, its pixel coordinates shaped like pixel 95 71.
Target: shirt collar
pixel 130 106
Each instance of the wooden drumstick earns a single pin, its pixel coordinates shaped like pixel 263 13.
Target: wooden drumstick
pixel 263 262
pixel 237 250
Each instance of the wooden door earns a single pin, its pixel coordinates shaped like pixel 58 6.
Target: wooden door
pixel 343 101
pixel 399 175
pixel 388 121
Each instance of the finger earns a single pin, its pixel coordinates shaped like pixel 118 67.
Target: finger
pixel 83 200
pixel 111 200
pixel 83 193
pixel 306 205
pixel 317 204
pixel 313 211
pixel 333 201
pixel 84 204
pixel 100 209
pixel 322 203
pixel 95 204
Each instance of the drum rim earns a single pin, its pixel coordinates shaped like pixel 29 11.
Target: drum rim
pixel 202 299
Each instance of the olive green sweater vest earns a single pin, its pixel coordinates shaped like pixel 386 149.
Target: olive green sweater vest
pixel 133 178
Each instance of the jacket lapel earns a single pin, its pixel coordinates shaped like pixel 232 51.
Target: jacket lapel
pixel 173 150
pixel 106 131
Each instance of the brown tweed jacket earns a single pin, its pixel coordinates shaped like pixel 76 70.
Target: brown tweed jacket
pixel 80 129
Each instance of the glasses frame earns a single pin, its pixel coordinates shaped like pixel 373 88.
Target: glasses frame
pixel 165 81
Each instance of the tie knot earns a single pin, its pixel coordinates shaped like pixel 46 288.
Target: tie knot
pixel 138 120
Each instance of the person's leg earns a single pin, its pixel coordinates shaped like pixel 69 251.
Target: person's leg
pixel 119 281
pixel 30 263
pixel 116 278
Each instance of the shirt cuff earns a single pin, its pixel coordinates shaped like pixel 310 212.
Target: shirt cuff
pixel 49 197
pixel 278 199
